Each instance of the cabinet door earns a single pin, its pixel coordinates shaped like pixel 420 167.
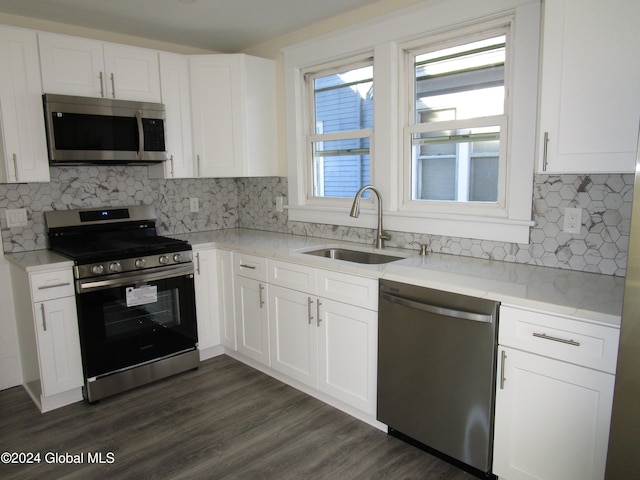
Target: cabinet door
pixel 294 337
pixel 206 288
pixel 252 321
pixel 23 148
pixel 58 345
pixel 224 271
pixel 552 419
pixel 347 353
pixel 133 73
pixel 175 89
pixel 590 101
pixel 215 104
pixel 72 65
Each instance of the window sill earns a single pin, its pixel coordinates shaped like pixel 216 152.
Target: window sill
pixel 462 226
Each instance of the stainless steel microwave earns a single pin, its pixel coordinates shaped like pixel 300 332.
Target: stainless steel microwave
pixel 101 131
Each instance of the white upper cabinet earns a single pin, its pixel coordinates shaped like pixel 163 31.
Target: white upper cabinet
pixel 90 68
pixel 234 115
pixel 23 147
pixel 590 100
pixel 174 84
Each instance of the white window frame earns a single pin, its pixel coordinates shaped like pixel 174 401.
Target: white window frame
pixel 427 207
pixel 388 37
pixel 309 76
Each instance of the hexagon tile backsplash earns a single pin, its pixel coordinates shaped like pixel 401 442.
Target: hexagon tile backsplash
pixel 601 246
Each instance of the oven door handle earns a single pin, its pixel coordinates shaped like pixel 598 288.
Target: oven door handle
pixel 119 280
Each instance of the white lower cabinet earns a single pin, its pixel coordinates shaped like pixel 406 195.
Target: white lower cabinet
pixel 207 300
pixel 251 309
pixel 327 344
pixel 347 354
pixel 294 334
pixel 554 397
pixel 226 308
pixel 47 325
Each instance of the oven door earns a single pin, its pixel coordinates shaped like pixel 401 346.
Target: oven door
pixel 131 320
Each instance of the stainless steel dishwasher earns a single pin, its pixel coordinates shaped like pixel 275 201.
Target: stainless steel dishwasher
pixel 436 371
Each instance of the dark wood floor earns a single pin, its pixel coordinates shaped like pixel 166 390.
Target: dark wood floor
pixel 224 420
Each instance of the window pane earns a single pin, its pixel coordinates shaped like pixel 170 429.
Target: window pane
pixel 340 167
pixel 343 103
pixel 459 165
pixel 465 81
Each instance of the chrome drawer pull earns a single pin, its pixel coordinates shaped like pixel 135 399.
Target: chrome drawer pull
pixel 250 267
pixel 54 285
pixel 503 357
pixel 260 290
pixel 556 339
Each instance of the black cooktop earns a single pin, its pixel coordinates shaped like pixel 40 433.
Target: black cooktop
pixel 92 250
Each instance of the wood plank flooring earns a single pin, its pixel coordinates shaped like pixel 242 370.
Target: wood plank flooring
pixel 224 420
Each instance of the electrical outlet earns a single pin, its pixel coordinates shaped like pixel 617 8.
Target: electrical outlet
pixel 194 204
pixel 17 217
pixel 572 220
pixel 279 204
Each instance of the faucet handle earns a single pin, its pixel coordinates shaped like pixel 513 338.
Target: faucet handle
pixel 424 248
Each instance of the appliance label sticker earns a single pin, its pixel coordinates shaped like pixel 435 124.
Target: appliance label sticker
pixel 142 295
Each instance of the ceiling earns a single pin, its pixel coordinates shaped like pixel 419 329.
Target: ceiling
pixel 226 26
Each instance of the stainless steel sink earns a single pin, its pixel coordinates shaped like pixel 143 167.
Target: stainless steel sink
pixel 357 256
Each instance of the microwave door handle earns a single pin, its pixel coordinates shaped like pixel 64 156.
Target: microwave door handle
pixel 138 116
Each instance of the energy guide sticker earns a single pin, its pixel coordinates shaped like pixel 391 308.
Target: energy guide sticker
pixel 141 295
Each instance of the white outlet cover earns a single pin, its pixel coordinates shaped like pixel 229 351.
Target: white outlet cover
pixel 17 217
pixel 572 220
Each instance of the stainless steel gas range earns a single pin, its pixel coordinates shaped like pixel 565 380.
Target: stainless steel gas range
pixel 134 294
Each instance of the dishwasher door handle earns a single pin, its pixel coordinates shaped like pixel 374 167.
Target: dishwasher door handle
pixel 447 312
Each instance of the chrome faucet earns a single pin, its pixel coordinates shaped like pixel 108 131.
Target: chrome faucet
pixel 355 211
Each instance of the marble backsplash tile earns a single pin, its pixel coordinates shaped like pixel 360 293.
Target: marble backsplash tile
pixel 250 203
pixel 601 247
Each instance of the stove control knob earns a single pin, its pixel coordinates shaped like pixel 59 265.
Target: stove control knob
pixel 140 262
pixel 115 267
pixel 163 260
pixel 97 269
pixel 177 257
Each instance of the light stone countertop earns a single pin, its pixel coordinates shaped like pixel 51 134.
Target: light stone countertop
pixel 38 261
pixel 589 296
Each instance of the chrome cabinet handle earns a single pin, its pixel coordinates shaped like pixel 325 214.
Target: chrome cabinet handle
pixel 15 167
pixel 503 357
pixel 309 303
pixel 250 267
pixel 318 319
pixel 171 172
pixel 44 317
pixel 54 285
pixel 198 263
pixel 198 165
pixel 545 151
pixel 101 84
pixel 260 289
pixel 113 86
pixel 544 336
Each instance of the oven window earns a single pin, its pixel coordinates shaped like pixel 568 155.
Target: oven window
pixel 127 325
pixel 121 320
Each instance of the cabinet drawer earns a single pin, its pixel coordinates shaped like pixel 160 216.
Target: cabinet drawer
pixel 347 288
pixel 54 284
pixel 563 338
pixel 292 275
pixel 250 266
